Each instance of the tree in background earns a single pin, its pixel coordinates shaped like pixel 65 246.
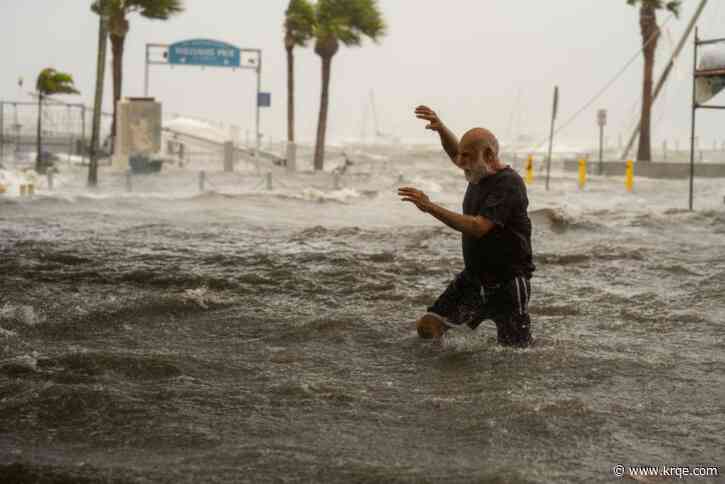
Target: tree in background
pixel 49 83
pixel 99 7
pixel 346 22
pixel 650 35
pixel 118 27
pixel 299 28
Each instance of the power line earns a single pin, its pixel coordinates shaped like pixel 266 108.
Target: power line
pixel 606 87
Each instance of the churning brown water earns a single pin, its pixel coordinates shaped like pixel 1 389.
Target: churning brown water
pixel 246 335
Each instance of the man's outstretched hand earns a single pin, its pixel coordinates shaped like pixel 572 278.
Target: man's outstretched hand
pixel 426 113
pixel 416 197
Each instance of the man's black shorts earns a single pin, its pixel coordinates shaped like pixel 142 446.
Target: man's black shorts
pixel 466 301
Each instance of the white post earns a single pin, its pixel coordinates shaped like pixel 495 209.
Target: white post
pixel 228 156
pixel 291 157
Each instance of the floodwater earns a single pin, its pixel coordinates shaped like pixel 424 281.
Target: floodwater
pixel 254 335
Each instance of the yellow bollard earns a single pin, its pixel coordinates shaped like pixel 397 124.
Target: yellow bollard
pixel 31 189
pixel 629 179
pixel 2 189
pixel 582 173
pixel 22 190
pixel 530 170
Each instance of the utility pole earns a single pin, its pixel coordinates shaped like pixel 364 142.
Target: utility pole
pixel 98 102
pixel 692 126
pixel 551 135
pixel 602 121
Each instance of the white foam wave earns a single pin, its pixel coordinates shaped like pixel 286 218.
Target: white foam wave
pixel 425 184
pixel 197 128
pixel 6 333
pixel 342 195
pixel 27 361
pixel 23 313
pixel 202 296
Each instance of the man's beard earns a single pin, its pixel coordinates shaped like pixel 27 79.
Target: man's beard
pixel 477 172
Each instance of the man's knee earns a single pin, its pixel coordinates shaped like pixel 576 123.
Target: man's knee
pixel 429 326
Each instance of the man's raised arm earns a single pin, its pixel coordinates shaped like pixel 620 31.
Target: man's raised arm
pixel 448 139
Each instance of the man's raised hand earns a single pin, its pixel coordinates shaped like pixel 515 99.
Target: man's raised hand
pixel 416 197
pixel 426 113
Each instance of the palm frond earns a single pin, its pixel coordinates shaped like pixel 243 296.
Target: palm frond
pixel 155 9
pixel 351 20
pixel 300 22
pixel 51 82
pixel 674 7
pixel 671 6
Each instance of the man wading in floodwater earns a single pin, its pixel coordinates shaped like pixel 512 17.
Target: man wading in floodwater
pixel 496 234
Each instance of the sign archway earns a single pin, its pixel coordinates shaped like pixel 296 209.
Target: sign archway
pixel 210 53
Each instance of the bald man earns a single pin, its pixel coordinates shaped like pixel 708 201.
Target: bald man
pixel 496 235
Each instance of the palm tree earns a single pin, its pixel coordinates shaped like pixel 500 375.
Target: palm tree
pixel 299 28
pixel 98 101
pixel 346 22
pixel 117 11
pixel 49 82
pixel 650 35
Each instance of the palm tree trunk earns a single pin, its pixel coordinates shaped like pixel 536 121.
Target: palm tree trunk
pixel 650 34
pixel 39 164
pixel 98 102
pixel 290 95
pixel 117 42
pixel 322 120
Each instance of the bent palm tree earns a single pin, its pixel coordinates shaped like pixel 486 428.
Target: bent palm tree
pixel 118 27
pixel 650 35
pixel 49 82
pixel 299 28
pixel 98 100
pixel 346 22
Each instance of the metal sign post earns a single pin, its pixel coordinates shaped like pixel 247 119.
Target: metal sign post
pixel 602 121
pixel 256 118
pixel 207 53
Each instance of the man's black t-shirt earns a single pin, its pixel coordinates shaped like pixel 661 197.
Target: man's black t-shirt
pixel 505 251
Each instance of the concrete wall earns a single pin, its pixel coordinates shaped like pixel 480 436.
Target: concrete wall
pixel 138 129
pixel 651 169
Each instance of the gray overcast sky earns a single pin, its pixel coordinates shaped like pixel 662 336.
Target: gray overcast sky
pixel 484 62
